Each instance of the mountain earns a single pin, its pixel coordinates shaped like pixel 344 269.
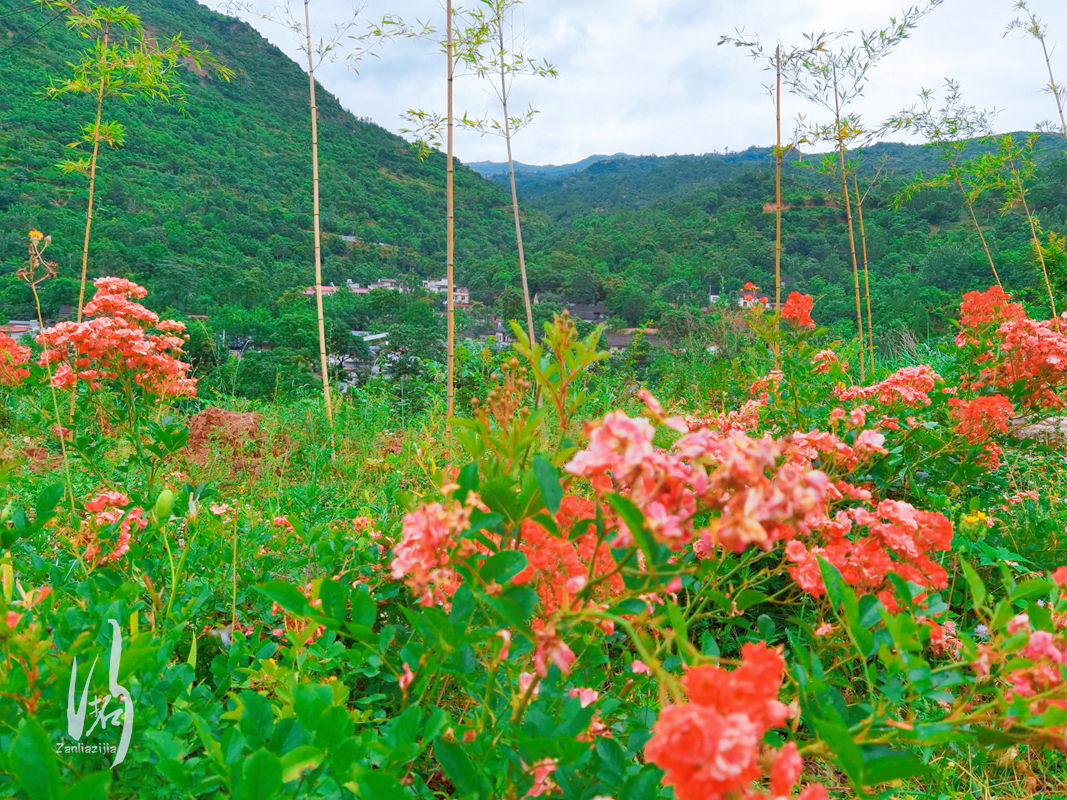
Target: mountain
pixel 498 170
pixel 210 204
pixel 651 237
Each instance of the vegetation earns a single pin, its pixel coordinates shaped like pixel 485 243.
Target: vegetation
pixel 771 557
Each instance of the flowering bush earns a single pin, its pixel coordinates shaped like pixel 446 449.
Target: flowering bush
pixel 759 602
pixel 118 345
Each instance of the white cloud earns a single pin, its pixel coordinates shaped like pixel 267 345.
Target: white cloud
pixel 646 76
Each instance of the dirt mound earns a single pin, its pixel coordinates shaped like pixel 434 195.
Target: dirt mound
pixel 234 436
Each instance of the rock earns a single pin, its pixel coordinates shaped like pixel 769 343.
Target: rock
pixel 1050 431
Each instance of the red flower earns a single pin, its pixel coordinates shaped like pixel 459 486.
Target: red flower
pixel 709 747
pixel 12 355
pixel 118 344
pixel 797 310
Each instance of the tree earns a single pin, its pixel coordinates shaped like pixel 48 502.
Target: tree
pixel 504 62
pixel 1030 23
pixel 124 62
pixel 950 129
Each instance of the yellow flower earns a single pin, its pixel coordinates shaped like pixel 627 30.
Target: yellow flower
pixel 36 235
pixel 974 518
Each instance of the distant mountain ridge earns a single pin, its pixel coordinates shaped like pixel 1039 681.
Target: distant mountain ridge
pixel 496 169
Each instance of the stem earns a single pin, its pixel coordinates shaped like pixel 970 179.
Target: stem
pixel 970 208
pixel 92 184
pixel 511 178
pixel 848 217
pixel 323 365
pixel 1033 234
pixel 1056 91
pixel 778 206
pixel 450 238
pixel 234 607
pixel 55 403
pixel 866 277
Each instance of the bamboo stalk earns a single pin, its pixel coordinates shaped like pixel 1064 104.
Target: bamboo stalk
pixel 977 227
pixel 450 243
pixel 778 206
pixel 511 179
pixel 866 277
pixel 92 184
pixel 323 365
pixel 848 217
pixel 1057 92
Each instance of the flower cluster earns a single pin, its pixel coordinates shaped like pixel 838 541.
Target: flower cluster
pixel 760 491
pixel 711 745
pixel 297 625
pixel 12 356
pixel 1032 670
pixel 118 342
pixel 908 386
pixel 423 556
pixel 797 310
pixel 899 538
pixel 109 513
pixel 1013 351
pixel 560 565
pixel 977 419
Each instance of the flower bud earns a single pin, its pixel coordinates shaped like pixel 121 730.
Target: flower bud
pixel 164 505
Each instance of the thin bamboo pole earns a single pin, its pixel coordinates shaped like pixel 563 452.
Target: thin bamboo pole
pixel 92 183
pixel 450 244
pixel 778 206
pixel 511 179
pixel 323 365
pixel 866 276
pixel 848 217
pixel 970 208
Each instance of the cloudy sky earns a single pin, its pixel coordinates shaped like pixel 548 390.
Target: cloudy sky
pixel 646 76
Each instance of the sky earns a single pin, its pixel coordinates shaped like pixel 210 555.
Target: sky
pixel 646 77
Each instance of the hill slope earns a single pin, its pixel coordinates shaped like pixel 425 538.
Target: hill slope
pixel 212 205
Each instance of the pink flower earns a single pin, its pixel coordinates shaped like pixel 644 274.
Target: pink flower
pixel 406 678
pixel 785 771
pixel 542 782
pixel 640 668
pixel 586 697
pixel 551 648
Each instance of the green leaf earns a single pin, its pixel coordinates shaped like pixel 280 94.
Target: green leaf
pixel 459 768
pixel 635 522
pixel 93 786
pixel 261 776
pixel 287 596
pixel 978 590
pixel 888 765
pixel 33 762
pixel 47 500
pixel 643 785
pixel 1032 588
pixel 299 759
pixel 548 480
pixel 332 594
pixel 677 620
pixel 257 717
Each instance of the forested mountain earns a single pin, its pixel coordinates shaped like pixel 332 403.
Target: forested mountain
pixel 211 204
pixel 650 236
pixel 498 170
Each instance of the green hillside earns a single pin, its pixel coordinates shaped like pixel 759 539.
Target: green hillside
pixel 650 236
pixel 211 205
